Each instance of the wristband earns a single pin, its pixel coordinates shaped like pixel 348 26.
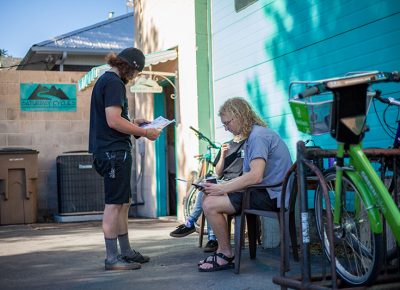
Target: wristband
pixel 145 133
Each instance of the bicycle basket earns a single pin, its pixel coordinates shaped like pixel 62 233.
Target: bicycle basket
pixel 313 114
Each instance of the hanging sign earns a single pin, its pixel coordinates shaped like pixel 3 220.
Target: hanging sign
pixel 145 85
pixel 48 97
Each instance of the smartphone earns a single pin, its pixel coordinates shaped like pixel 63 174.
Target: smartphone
pixel 211 179
pixel 198 186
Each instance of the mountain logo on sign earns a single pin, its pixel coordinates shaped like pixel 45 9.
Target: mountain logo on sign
pixel 44 93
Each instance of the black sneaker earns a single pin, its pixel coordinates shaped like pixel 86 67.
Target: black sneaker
pixel 211 246
pixel 136 258
pixel 182 231
pixel 120 264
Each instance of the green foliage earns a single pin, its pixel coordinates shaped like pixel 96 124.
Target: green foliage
pixel 3 52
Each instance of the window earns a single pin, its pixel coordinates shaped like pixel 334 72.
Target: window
pixel 242 4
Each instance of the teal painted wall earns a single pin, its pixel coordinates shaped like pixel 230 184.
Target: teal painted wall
pixel 161 158
pixel 260 50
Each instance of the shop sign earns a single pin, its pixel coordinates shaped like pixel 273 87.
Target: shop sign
pixel 48 97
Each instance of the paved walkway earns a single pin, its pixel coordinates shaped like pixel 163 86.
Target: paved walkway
pixel 71 256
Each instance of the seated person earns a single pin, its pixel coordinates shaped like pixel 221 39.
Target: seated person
pixel 266 161
pixel 228 164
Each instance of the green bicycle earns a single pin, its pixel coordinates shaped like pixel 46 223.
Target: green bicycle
pixel 357 196
pixel 205 169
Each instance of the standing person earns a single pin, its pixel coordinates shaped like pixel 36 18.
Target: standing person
pixel 110 142
pixel 266 161
pixel 228 164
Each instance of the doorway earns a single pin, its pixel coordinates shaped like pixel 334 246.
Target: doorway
pixel 165 157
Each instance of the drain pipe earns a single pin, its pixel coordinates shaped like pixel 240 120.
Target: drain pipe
pixel 62 60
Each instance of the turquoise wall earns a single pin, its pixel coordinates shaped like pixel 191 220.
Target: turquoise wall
pixel 161 158
pixel 260 50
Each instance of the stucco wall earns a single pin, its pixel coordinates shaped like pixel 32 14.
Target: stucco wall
pixel 50 133
pixel 161 25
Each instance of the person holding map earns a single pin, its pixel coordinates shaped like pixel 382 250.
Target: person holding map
pixel 110 142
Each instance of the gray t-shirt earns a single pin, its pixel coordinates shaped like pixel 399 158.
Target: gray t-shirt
pixel 266 144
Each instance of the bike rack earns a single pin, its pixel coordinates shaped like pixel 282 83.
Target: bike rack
pixel 389 277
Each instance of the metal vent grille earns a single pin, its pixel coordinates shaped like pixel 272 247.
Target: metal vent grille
pixel 80 187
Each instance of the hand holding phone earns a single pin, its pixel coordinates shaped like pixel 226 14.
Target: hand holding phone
pixel 199 186
pixel 211 179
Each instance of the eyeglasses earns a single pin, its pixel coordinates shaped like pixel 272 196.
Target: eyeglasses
pixel 226 124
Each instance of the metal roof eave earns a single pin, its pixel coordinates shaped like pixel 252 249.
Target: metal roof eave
pixel 36 50
pixel 72 51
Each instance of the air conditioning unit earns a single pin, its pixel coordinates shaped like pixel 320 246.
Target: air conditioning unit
pixel 80 187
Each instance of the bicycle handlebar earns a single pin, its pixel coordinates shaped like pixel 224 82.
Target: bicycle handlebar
pixel 390 100
pixel 350 80
pixel 202 137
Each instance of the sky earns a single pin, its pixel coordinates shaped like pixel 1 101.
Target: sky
pixel 27 22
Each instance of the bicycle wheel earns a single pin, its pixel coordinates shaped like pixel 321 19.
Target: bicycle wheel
pixel 393 185
pixel 357 249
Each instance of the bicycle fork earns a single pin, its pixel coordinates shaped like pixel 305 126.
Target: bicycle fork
pixel 361 176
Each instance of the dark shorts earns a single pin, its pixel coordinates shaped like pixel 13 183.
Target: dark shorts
pixel 259 199
pixel 116 168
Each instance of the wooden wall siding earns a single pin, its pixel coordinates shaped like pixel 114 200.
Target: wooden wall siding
pixel 260 50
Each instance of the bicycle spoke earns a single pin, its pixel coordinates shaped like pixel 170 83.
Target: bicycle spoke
pixel 356 248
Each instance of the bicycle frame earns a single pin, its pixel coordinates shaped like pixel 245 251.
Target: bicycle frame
pixel 204 163
pixel 374 193
pixel 204 159
pixel 204 169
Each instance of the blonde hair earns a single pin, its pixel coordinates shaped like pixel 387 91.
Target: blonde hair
pixel 243 112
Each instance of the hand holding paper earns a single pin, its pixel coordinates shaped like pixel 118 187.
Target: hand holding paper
pixel 158 123
pixel 140 122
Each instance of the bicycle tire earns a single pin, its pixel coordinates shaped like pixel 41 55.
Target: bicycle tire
pixel 390 181
pixel 357 250
pixel 392 250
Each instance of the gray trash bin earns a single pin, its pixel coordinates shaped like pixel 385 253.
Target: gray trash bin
pixel 18 185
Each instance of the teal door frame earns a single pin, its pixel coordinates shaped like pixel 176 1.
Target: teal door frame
pixel 161 159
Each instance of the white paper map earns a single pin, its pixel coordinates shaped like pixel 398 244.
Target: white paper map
pixel 159 123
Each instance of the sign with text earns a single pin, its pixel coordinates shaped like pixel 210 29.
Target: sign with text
pixel 48 97
pixel 146 85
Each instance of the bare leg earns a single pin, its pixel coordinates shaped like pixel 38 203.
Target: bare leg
pixel 123 219
pixel 111 220
pixel 214 208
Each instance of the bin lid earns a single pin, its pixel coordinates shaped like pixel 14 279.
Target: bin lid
pixel 17 150
pixel 77 152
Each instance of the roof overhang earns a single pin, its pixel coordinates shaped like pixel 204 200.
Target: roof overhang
pixel 151 59
pixel 44 58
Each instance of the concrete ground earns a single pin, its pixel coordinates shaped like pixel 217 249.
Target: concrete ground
pixel 71 256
